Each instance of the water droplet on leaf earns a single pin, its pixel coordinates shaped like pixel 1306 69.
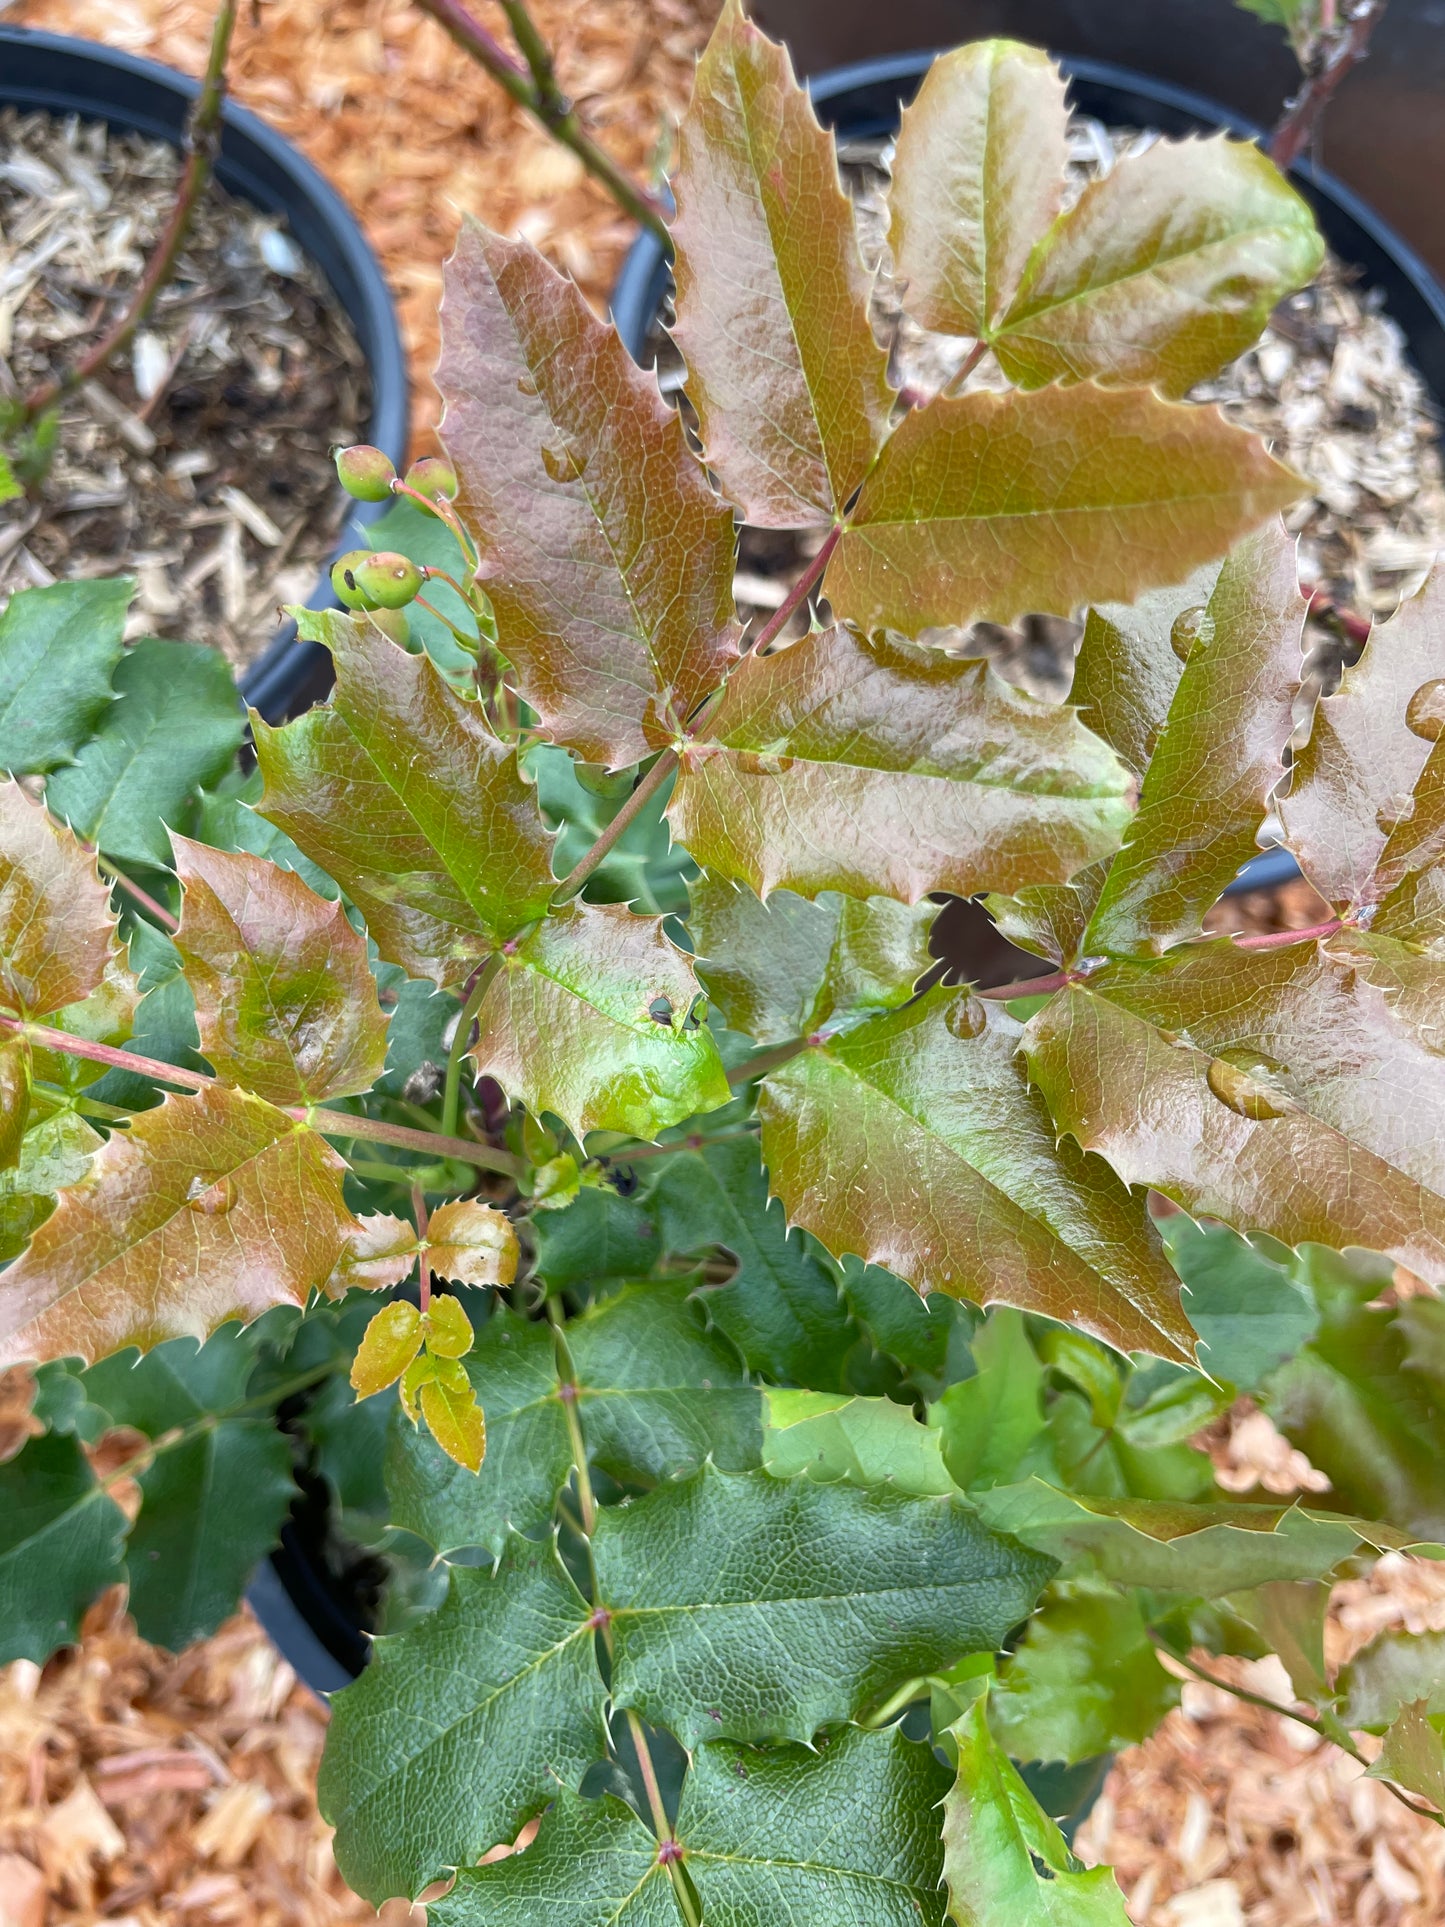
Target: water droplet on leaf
pixel 966 1016
pixel 1188 630
pixel 526 385
pixel 211 1200
pixel 1425 711
pixel 1243 1095
pixel 1392 813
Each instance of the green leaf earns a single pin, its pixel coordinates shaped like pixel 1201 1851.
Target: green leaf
pixel 1395 1670
pixel 54 1153
pixel 463 1728
pixel 56 929
pixel 927 1337
pixel 834 1440
pixel 211 1504
pixel 588 1019
pixel 790 387
pixel 60 1544
pixel 992 1424
pixel 1130 663
pixel 399 790
pixel 1249 1312
pixel 782 1309
pixel 888 769
pixel 285 999
pixel 58 648
pixel 606 554
pixel 1413 1755
pixel 207 1208
pixel 1003 1858
pixel 978 177
pixel 593 1864
pixel 655 1395
pixel 598 1236
pixel 787 967
pixel 1289 1616
pixel 723 1589
pixel 915 1142
pixel 991 506
pixel 1218 756
pixel 177 725
pixel 1084 1680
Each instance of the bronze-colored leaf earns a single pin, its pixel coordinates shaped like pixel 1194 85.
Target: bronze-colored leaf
pixel 888 769
pixel 915 1143
pixel 377 1255
pixel 772 296
pixel 399 790
pixel 14 1098
pixel 607 555
pixel 1218 756
pixel 588 1018
pixel 207 1208
pixel 1130 661
pixel 472 1244
pixel 978 176
pixel 1353 780
pixel 992 506
pixel 286 1004
pixel 55 921
pixel 1224 1138
pixel 1408 876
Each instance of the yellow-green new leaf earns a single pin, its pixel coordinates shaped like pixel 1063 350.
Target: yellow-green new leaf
pixel 449 1331
pixel 772 294
pixel 286 1004
pixel 453 1416
pixel 388 1345
pixel 207 1208
pixel 590 1017
pixel 993 506
pixel 400 791
pixel 892 770
pixel 55 922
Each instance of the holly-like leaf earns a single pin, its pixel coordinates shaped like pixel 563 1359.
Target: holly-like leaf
pixel 722 1587
pixel 787 967
pixel 1218 754
pixel 1413 1755
pixel 606 554
pixel 60 1544
pixel 1084 1680
pixel 915 1143
pixel 1224 1135
pixel 1003 1858
pixel 993 505
pixel 54 1154
pixel 891 769
pixel 212 1502
pixel 1250 1313
pixel 285 999
pixel 1352 782
pixel 978 177
pixel 399 790
pixel 772 296
pixel 927 1337
pixel 1289 1615
pixel 58 648
pixel 1394 1671
pixel 55 921
pixel 655 1395
pixel 462 1728
pixel 1408 873
pixel 472 1244
pixel 454 1417
pixel 588 1018
pixel 782 1309
pixel 835 1440
pixel 593 1864
pixel 992 1425
pixel 208 1208
pixel 176 727
pixel 599 1235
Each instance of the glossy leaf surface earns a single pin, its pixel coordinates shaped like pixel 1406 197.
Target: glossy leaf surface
pixel 772 295
pixel 55 922
pixel 399 790
pixel 993 505
pixel 58 648
pixel 851 1441
pixel 1130 662
pixel 606 554
pixel 883 769
pixel 60 1545
pixel 593 1864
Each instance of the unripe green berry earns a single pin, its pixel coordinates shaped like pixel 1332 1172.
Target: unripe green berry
pixel 434 478
pixel 393 623
pixel 343 580
pixel 365 472
pixel 387 580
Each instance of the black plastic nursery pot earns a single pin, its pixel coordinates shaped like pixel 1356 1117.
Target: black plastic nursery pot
pixel 54 74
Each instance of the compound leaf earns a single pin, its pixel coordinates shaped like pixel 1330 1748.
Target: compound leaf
pixel 58 648
pixel 399 790
pixel 464 1727
pixel 177 726
pixel 789 385
pixel 991 506
pixel 606 554
pixel 915 1143
pixel 894 770
pixel 208 1208
pixel 56 929
pixel 285 1000
pixel 60 1544
pixel 723 1589
pixel 589 1018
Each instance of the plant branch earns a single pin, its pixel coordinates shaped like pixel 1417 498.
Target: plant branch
pixel 1277 939
pixel 461 1042
pixel 646 789
pixel 423 1269
pixel 694 1142
pixel 555 112
pixel 798 594
pixel 203 139
pixel 768 1060
pixel 1297 126
pixel 143 897
pixel 1028 987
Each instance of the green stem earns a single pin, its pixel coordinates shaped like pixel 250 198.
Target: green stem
pixel 208 1421
pixel 905 1696
pixel 463 641
pixel 695 1142
pixel 461 1043
pixel 764 1061
pixel 203 140
pixel 646 789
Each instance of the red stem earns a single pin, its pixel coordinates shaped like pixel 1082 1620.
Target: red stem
pixel 1322 604
pixel 1297 126
pixel 1277 939
pixel 143 897
pixel 1031 986
pixel 423 1269
pixel 797 595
